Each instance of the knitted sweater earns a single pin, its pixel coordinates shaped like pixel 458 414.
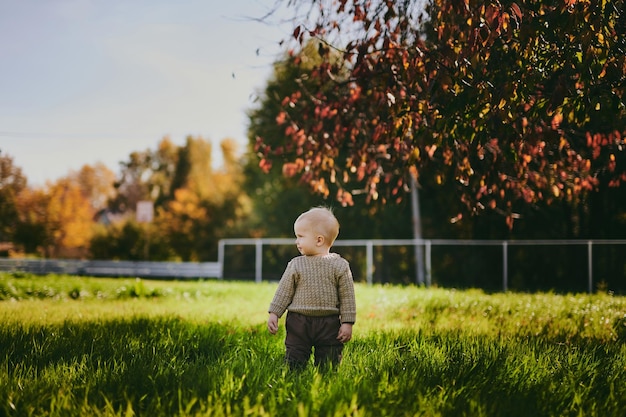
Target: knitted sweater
pixel 316 286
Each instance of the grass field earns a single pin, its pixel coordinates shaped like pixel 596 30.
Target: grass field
pixel 124 347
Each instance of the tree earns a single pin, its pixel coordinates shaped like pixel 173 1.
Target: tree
pixel 518 105
pixel 185 222
pixel 96 184
pixel 56 220
pixel 70 219
pixel 31 231
pixel 194 169
pixel 128 240
pixel 272 191
pixel 12 183
pixel 147 175
pixel 269 189
pixel 195 204
pixel 208 203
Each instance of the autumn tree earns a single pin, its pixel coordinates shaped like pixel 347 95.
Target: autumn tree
pixel 277 199
pixel 207 203
pixel 147 175
pixel 32 234
pixel 96 184
pixel 195 204
pixel 514 105
pixel 229 194
pixel 12 182
pixel 185 222
pixel 70 219
pixel 56 220
pixel 194 169
pixel 271 191
pixel 277 196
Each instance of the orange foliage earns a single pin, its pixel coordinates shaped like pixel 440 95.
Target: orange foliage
pixel 70 215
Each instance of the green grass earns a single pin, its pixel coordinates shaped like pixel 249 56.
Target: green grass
pixel 106 347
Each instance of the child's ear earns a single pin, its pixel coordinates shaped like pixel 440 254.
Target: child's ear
pixel 320 240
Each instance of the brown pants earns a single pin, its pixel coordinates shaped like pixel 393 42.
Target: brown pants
pixel 305 333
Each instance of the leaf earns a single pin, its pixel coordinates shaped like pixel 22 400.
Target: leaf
pixel 296 33
pixel 516 10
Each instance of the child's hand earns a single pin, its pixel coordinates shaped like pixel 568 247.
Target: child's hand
pixel 345 332
pixel 272 323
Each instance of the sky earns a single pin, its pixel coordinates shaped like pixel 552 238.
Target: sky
pixel 87 81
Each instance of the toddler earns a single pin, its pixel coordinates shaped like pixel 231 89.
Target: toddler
pixel 317 291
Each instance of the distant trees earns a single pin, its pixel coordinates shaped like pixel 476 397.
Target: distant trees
pixel 51 220
pixel 91 212
pixel 146 175
pixel 12 183
pixel 194 204
pixel 58 220
pixel 31 232
pixel 69 219
pixel 96 183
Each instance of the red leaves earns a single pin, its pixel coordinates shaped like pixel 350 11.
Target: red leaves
pixel 325 112
pixel 265 165
pixel 291 169
pixel 478 107
pixel 298 34
pixel 281 117
pixel 344 197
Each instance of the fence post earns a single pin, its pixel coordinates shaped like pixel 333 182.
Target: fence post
pixel 417 232
pixel 429 278
pixel 505 266
pixel 220 257
pixel 369 272
pixel 590 265
pixel 258 273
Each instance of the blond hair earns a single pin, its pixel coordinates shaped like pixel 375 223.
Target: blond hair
pixel 322 221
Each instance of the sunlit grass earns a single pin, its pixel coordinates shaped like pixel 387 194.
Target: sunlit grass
pixel 59 298
pixel 113 347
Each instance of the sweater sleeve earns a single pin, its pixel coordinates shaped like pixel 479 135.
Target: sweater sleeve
pixel 285 291
pixel 347 299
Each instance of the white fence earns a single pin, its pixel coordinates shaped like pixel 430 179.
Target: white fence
pixel 197 270
pixel 143 269
pixel 427 245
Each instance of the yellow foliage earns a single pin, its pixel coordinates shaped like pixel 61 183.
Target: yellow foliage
pixel 70 215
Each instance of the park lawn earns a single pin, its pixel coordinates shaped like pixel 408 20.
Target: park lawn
pixel 113 347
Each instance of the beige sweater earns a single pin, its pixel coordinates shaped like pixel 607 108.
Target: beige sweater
pixel 316 286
